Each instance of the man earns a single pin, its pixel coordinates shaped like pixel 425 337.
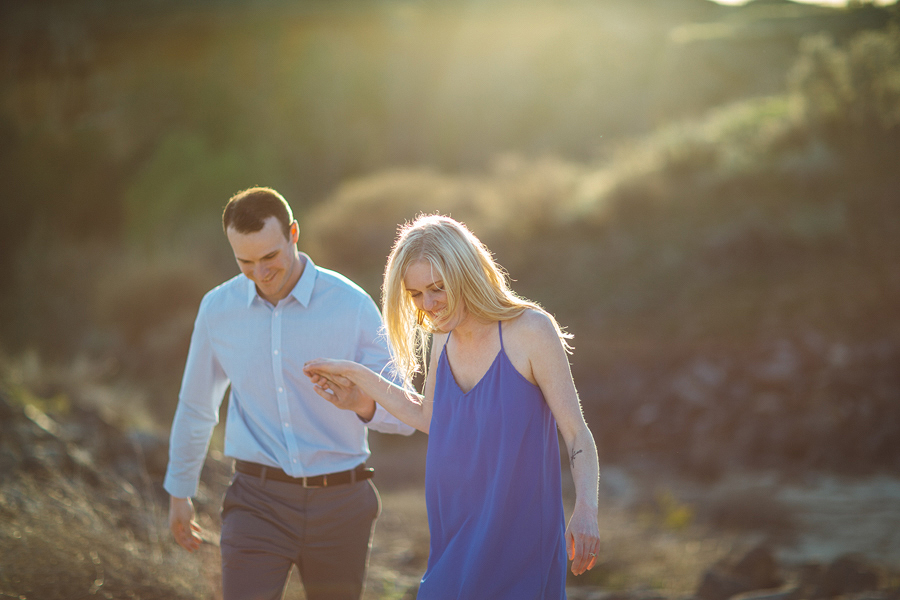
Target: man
pixel 301 494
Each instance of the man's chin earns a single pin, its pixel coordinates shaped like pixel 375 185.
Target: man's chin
pixel 266 291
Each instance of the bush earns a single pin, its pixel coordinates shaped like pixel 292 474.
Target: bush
pixel 144 308
pixel 186 183
pixel 509 208
pixel 855 88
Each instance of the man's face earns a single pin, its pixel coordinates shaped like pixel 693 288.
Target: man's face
pixel 268 259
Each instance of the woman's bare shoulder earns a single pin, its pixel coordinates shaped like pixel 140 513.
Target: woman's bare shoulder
pixel 532 327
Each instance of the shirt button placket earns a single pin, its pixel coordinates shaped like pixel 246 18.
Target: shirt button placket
pixel 278 374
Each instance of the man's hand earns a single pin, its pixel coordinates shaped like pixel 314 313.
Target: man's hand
pixel 182 523
pixel 346 395
pixel 329 382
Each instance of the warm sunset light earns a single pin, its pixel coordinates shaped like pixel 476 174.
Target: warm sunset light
pixel 819 2
pixel 699 199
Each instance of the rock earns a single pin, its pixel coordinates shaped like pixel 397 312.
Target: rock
pixel 848 574
pixel 809 576
pixel 756 570
pixel 786 594
pixel 875 595
pixel 719 585
pixel 619 595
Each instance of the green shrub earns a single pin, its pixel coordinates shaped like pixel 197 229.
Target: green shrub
pixel 186 183
pixel 874 59
pixel 852 88
pixel 511 208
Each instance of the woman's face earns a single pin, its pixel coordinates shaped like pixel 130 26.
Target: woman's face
pixel 426 290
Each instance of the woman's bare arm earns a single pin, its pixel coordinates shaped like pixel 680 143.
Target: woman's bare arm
pixel 550 369
pixel 352 386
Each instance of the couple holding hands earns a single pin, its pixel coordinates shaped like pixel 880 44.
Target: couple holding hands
pixel 497 388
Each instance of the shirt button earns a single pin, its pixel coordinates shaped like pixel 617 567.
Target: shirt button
pixel 287 425
pixel 276 353
pixel 280 390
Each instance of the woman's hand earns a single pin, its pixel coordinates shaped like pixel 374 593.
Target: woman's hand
pixel 355 387
pixel 583 538
pixel 329 368
pixel 331 380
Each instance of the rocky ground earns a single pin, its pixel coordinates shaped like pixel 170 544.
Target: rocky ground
pixel 801 403
pixel 666 536
pixel 82 514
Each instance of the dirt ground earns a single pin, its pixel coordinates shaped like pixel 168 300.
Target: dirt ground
pixel 833 515
pixel 660 533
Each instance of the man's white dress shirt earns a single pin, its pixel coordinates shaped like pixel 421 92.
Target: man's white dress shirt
pixel 275 418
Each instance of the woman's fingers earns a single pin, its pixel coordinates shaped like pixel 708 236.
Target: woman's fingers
pixel 341 380
pixel 323 366
pixel 582 551
pixel 578 563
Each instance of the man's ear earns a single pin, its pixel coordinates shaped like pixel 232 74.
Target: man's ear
pixel 295 232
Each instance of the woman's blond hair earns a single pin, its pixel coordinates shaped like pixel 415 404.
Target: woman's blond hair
pixel 469 274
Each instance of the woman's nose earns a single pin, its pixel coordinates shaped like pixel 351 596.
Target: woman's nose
pixel 427 302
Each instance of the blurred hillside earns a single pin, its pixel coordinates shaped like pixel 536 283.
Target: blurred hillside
pixel 705 195
pixel 733 281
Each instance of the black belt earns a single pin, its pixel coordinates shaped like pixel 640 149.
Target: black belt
pixel 360 473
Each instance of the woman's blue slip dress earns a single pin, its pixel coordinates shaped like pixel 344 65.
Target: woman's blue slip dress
pixel 492 490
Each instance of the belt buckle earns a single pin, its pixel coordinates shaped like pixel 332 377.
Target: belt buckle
pixel 312 487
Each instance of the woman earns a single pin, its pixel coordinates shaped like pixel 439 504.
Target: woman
pixel 497 387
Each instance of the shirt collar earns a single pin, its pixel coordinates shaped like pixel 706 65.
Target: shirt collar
pixel 303 289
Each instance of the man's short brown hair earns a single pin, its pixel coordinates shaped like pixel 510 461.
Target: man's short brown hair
pixel 247 211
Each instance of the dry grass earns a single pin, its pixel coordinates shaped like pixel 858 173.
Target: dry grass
pixel 63 539
pixel 641 552
pixel 638 552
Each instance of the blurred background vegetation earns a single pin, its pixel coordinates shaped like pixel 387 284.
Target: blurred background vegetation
pixel 705 195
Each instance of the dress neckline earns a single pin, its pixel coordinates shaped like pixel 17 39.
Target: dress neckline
pixel 485 374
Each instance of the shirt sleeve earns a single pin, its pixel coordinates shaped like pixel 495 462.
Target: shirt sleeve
pixel 202 391
pixel 373 352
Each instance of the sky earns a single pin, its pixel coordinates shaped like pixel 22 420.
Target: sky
pixel 822 2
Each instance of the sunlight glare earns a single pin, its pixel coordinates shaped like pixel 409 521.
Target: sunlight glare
pixel 820 2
